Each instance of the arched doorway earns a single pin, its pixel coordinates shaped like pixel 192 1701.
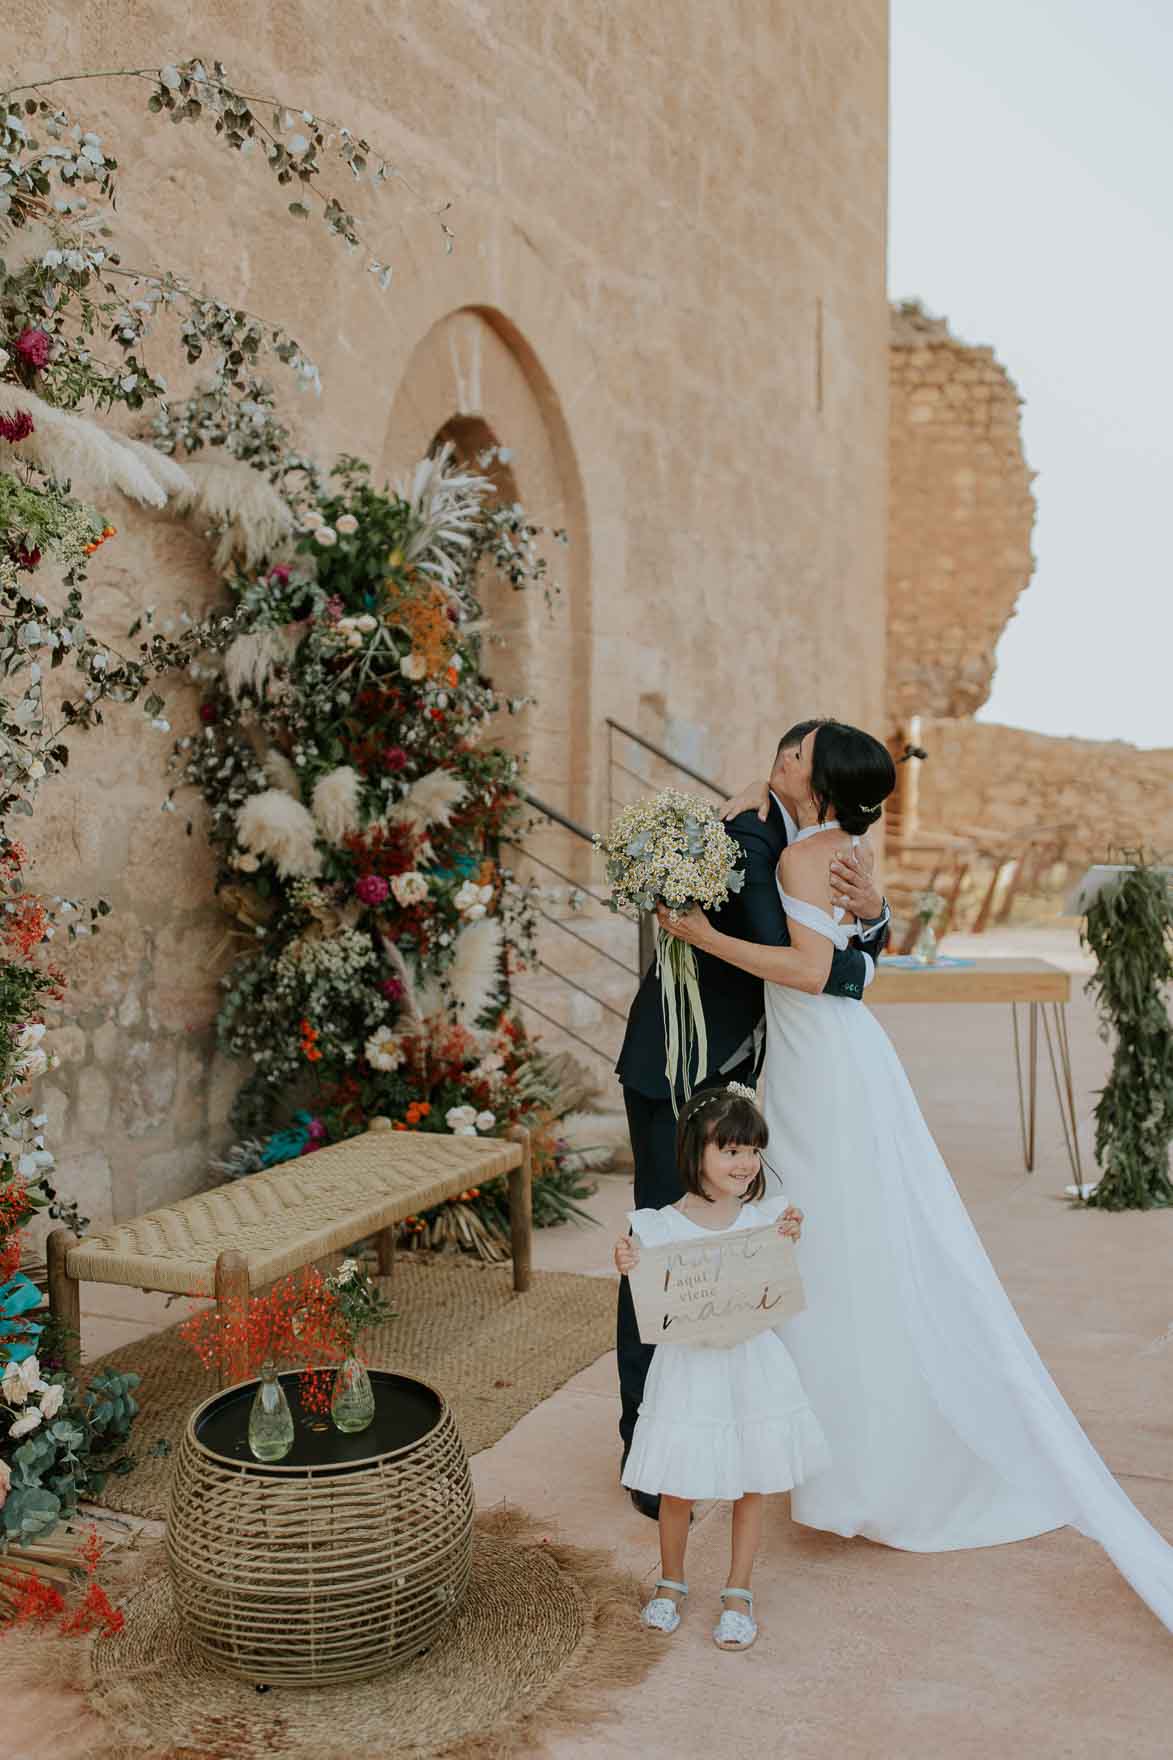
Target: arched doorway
pixel 474 381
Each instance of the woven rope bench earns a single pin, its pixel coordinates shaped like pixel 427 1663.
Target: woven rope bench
pixel 247 1234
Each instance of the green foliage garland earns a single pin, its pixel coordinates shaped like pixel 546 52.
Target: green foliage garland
pixel 1130 931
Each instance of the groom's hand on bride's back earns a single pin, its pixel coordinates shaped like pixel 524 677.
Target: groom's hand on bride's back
pixel 853 884
pixel 755 798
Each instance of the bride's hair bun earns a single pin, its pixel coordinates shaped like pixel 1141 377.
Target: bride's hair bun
pixel 852 775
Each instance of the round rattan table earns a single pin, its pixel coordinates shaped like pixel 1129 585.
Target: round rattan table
pixel 344 1559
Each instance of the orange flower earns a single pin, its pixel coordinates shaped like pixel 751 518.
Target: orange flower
pixel 399 1125
pixel 313 1055
pixel 452 677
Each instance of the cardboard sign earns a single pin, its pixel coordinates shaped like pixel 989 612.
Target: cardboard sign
pixel 716 1292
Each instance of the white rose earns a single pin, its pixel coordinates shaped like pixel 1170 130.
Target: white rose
pixel 414 666
pixel 347 1271
pixel 24 1424
pixel 311 521
pixel 485 1121
pixel 51 1401
pixel 326 536
pixel 461 1118
pixel 465 1130
pixel 5 1469
pixel 410 888
pixel 21 1379
pixel 346 524
pixel 474 913
pixel 354 638
pixel 366 623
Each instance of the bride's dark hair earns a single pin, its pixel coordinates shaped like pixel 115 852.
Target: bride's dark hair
pixel 852 776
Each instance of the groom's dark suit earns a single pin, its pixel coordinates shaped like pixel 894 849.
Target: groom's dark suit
pixel 734 1005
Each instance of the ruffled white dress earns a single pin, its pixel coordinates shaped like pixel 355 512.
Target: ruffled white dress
pixel 716 1423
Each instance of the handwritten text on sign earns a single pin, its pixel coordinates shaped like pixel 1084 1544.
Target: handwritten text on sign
pixel 716 1292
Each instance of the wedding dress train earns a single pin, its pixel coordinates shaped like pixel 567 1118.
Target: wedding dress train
pixel 945 1428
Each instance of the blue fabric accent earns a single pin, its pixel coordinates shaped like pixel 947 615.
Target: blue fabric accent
pixel 905 962
pixel 19 1296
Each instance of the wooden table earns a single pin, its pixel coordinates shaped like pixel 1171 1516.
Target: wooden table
pixel 1042 989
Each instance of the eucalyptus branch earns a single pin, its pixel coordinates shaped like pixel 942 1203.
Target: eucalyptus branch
pixel 187 92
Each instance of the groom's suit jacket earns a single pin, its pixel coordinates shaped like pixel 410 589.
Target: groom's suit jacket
pixel 733 1000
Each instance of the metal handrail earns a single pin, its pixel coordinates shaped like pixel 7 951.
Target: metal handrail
pixel 659 752
pixel 572 825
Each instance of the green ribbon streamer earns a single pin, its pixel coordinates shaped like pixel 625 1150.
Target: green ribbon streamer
pixel 685 1032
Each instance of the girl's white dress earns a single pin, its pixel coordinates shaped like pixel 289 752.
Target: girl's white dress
pixel 716 1423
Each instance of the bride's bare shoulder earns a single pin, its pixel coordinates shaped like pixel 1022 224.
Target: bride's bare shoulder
pixel 805 868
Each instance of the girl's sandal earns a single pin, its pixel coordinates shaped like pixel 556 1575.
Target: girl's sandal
pixel 735 1630
pixel 661 1614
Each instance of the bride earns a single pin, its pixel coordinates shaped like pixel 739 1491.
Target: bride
pixel 945 1428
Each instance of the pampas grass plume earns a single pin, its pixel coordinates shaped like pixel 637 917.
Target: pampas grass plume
pixel 431 801
pixel 337 804
pixel 274 825
pixel 73 449
pixel 253 521
pixel 475 973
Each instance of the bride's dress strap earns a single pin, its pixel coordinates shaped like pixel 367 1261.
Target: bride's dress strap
pixel 812 917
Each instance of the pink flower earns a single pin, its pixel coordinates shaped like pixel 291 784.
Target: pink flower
pixel 16 427
pixel 372 889
pixel 334 608
pixel 392 989
pixel 395 758
pixel 33 345
pixel 209 714
pixel 317 1130
pixel 280 575
pixel 28 560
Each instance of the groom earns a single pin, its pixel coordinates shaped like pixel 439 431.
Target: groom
pixel 734 1006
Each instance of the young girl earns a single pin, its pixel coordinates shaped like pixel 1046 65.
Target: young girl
pixel 733 1422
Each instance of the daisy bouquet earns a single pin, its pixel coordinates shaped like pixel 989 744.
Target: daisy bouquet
pixel 672 849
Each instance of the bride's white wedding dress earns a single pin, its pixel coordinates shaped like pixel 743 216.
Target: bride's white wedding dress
pixel 944 1426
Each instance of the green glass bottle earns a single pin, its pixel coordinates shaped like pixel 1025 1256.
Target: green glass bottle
pixel 270 1423
pixel 353 1403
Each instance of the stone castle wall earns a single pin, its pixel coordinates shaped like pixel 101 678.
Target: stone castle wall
pixel 960 518
pixel 1110 794
pixel 666 295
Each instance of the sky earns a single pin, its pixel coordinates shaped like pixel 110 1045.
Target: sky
pixel 1032 206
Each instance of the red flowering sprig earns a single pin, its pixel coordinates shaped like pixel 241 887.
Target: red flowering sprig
pixel 31 1601
pixel 295 1320
pixel 309 1043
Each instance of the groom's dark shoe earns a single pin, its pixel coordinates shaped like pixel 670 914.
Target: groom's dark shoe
pixel 647 1504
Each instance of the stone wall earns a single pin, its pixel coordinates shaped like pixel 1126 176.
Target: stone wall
pixel 1002 779
pixel 666 294
pixel 960 517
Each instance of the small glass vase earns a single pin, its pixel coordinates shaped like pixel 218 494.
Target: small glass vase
pixel 270 1423
pixel 353 1403
pixel 925 951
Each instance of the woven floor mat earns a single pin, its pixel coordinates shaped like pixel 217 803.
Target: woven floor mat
pixel 492 1354
pixel 546 1643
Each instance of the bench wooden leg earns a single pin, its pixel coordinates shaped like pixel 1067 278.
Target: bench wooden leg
pixel 385 1248
pixel 65 1295
pixel 521 1210
pixel 232 1294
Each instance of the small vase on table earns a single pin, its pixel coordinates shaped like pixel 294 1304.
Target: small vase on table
pixel 928 909
pixel 352 1405
pixel 358 1305
pixel 270 1422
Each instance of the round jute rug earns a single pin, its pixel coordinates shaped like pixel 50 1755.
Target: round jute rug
pixel 547 1641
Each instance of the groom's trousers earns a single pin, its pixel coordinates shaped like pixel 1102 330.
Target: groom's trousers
pixel 651 1124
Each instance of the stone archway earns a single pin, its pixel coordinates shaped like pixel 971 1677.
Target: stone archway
pixel 473 379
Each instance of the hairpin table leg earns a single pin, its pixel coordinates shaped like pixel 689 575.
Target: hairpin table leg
pixel 1028 1104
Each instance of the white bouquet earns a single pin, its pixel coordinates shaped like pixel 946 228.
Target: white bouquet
pixel 673 850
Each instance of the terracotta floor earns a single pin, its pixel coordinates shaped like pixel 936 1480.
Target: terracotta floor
pixel 1038 1650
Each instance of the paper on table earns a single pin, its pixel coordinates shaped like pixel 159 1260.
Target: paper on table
pixel 716 1292
pixel 1103 874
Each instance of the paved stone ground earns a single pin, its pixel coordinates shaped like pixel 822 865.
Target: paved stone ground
pixel 1036 1650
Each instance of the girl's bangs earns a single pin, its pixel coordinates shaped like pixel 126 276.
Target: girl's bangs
pixel 739 1126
